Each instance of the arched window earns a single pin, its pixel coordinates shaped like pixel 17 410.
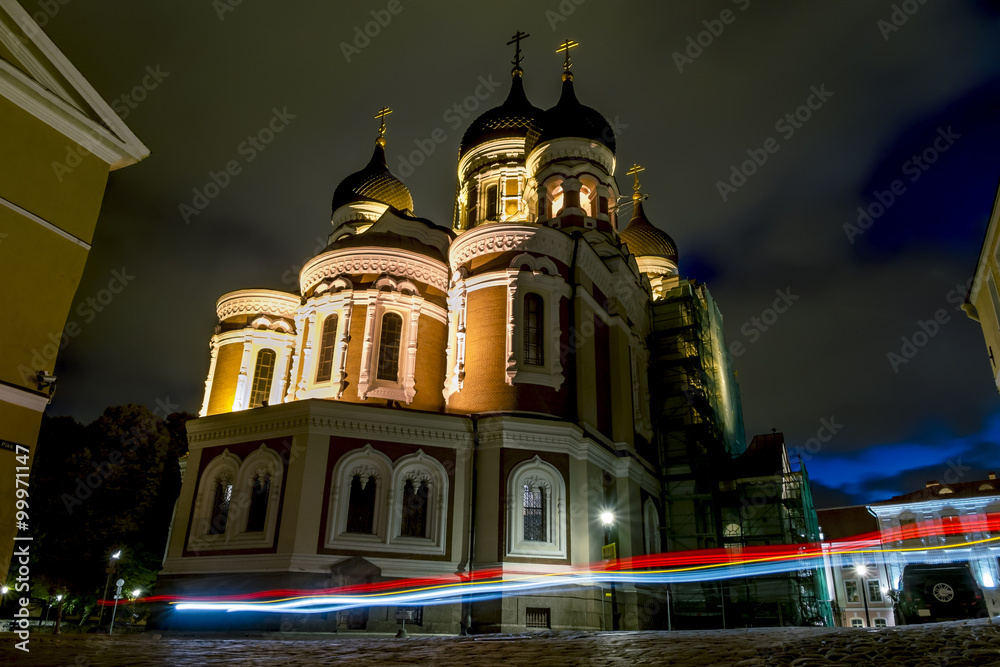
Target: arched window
pixel 220 505
pixel 388 347
pixel 414 519
pixel 327 341
pixel 534 333
pixel 361 506
pixel 534 514
pixel 491 203
pixel 262 376
pixel 259 494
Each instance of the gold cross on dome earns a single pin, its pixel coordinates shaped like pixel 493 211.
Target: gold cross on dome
pixel 382 113
pixel 516 39
pixel 634 172
pixel 566 46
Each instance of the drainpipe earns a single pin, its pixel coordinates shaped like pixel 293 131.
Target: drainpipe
pixel 466 603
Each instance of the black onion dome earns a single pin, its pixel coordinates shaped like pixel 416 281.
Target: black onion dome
pixel 645 240
pixel 373 183
pixel 569 118
pixel 515 118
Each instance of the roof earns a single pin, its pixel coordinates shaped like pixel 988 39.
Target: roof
pixel 933 491
pixel 515 118
pixel 373 183
pixel 646 240
pixel 569 118
pixel 37 77
pixel 396 229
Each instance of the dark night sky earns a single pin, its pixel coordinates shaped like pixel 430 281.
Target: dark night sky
pixel 825 358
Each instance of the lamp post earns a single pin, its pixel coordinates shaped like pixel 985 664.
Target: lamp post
pixel 608 521
pixel 58 629
pixel 115 555
pixel 862 571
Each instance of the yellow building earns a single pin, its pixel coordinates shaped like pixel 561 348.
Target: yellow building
pixel 983 301
pixel 58 143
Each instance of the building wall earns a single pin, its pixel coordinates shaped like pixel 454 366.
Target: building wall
pixel 983 300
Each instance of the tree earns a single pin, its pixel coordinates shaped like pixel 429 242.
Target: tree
pixel 112 483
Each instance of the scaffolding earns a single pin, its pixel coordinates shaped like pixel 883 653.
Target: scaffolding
pixel 718 492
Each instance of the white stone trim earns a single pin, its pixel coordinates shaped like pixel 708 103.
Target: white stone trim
pixel 458 303
pixel 52 102
pixel 552 289
pixel 544 476
pixel 41 221
pixel 499 237
pixel 257 301
pixel 409 308
pixel 213 346
pixel 226 466
pixel 370 464
pixel 399 263
pixel 23 398
pixel 569 147
pixel 422 467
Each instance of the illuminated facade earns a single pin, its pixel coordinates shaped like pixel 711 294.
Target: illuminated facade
pixel 440 400
pixel 60 141
pixel 983 300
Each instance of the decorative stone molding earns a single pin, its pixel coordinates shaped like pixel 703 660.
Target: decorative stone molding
pixel 495 238
pixel 569 148
pixel 536 474
pixel 354 261
pixel 257 302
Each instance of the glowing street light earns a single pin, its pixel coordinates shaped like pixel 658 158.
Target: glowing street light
pixel 607 518
pixel 58 598
pixel 862 571
pixel 136 592
pixel 3 590
pixel 116 555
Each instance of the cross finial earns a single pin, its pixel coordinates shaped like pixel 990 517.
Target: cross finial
pixel 382 113
pixel 566 46
pixel 516 40
pixel 634 172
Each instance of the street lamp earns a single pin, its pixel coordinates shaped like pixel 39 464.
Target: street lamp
pixel 862 571
pixel 608 521
pixel 136 592
pixel 115 555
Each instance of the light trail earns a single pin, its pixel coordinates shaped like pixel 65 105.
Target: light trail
pixel 680 567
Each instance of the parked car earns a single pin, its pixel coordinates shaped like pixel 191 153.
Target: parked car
pixel 938 592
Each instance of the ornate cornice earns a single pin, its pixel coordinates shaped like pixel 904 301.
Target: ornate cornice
pixel 354 261
pixel 495 238
pixel 569 148
pixel 257 301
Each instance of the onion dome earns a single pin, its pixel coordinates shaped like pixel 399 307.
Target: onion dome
pixel 645 240
pixel 515 118
pixel 569 118
pixel 374 182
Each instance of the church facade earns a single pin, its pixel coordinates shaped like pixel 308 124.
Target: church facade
pixel 438 400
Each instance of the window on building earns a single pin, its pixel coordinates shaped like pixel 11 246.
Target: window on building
pixel 259 494
pixel 851 589
pixel 534 514
pixel 857 623
pixel 472 206
pixel 534 333
pixel 587 200
pixel 414 520
pixel 361 506
pixel 557 202
pixel 262 376
pixel 220 505
pixel 874 591
pixel 327 340
pixel 492 203
pixel 388 347
pixel 511 198
pixel 880 623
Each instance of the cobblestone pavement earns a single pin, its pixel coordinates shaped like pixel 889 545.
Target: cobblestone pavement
pixel 955 644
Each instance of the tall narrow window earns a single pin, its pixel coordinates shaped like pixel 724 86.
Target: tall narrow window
pixel 534 334
pixel 414 522
pixel 388 347
pixel 262 376
pixel 258 502
pixel 326 343
pixel 472 207
pixel 534 514
pixel 220 506
pixel 361 506
pixel 491 203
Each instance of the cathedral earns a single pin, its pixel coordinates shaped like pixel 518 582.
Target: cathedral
pixel 436 399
